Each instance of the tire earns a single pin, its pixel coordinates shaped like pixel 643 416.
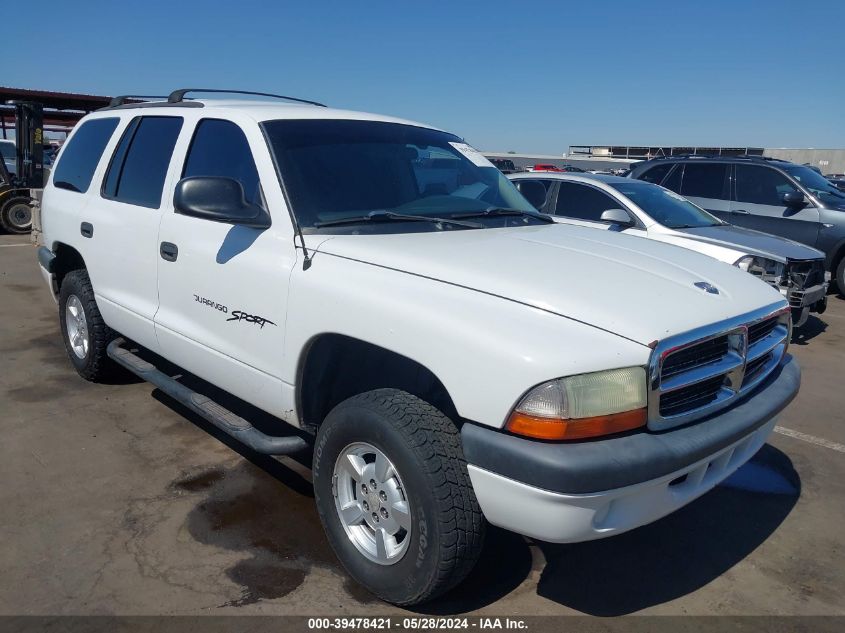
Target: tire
pixel 90 334
pixel 840 277
pixel 16 215
pixel 446 527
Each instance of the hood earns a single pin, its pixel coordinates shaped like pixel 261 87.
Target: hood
pixel 640 289
pixel 752 242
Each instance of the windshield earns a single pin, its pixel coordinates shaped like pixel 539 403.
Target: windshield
pixel 816 184
pixel 666 207
pixel 7 150
pixel 335 170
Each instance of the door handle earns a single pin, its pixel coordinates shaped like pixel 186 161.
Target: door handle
pixel 168 251
pixel 87 229
pixel 740 211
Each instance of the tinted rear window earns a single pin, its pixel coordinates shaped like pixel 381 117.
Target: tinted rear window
pixel 143 167
pixel 82 153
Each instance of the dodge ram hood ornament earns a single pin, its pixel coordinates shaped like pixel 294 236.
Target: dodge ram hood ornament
pixel 713 290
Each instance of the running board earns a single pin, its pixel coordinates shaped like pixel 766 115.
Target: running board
pixel 219 416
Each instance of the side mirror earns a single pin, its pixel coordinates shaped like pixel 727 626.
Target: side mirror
pixel 218 199
pixel 794 199
pixel 617 216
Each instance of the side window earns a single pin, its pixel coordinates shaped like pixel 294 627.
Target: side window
pixel 583 202
pixel 220 148
pixel 656 174
pixel 761 185
pixel 140 161
pixel 82 153
pixel 705 180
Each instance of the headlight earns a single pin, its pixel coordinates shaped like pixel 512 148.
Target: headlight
pixel 582 406
pixel 767 269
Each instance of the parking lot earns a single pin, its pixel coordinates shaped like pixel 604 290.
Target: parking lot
pixel 115 500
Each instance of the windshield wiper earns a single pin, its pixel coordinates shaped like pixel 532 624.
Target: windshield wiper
pixel 502 211
pixel 392 216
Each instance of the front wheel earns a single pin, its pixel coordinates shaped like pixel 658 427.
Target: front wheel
pixel 394 496
pixel 840 277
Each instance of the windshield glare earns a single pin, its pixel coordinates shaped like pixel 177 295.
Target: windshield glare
pixel 666 207
pixel 816 184
pixel 336 169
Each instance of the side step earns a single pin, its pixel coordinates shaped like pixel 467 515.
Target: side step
pixel 219 416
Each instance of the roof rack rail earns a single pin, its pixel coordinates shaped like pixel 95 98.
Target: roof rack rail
pixel 122 99
pixel 177 96
pixel 721 156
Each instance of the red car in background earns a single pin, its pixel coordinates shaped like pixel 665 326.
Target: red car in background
pixel 550 167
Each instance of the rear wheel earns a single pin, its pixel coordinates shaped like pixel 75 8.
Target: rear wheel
pixel 85 334
pixel 394 496
pixel 16 215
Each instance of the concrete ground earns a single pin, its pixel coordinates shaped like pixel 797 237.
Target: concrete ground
pixel 114 500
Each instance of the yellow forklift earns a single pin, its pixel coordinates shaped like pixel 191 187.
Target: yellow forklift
pixel 21 191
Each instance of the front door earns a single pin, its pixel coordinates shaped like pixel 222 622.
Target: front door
pixel 222 287
pixel 759 205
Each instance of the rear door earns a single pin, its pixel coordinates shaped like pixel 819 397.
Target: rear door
pixel 222 287
pixel 758 204
pixel 706 184
pixel 119 225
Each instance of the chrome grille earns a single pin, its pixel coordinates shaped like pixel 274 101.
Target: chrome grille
pixel 697 373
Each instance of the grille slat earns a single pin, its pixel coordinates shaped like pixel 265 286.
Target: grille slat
pixel 691 397
pixel 760 331
pixel 692 357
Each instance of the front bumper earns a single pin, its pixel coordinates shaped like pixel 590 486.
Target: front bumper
pixel 807 297
pixel 578 491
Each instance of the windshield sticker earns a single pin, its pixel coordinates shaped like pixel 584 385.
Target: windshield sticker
pixel 474 156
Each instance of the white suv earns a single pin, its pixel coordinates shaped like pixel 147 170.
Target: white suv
pixel 450 355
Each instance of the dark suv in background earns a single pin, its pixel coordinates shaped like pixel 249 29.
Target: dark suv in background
pixel 766 194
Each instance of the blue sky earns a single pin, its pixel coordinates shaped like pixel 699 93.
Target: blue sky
pixel 525 76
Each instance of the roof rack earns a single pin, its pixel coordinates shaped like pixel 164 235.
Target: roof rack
pixel 177 96
pixel 720 157
pixel 122 99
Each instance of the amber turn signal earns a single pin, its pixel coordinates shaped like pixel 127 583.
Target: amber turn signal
pixel 576 429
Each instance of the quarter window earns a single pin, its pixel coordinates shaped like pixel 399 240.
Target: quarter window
pixel 705 180
pixel 82 154
pixel 219 148
pixel 583 202
pixel 535 191
pixel 139 166
pixel 761 185
pixel 657 173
